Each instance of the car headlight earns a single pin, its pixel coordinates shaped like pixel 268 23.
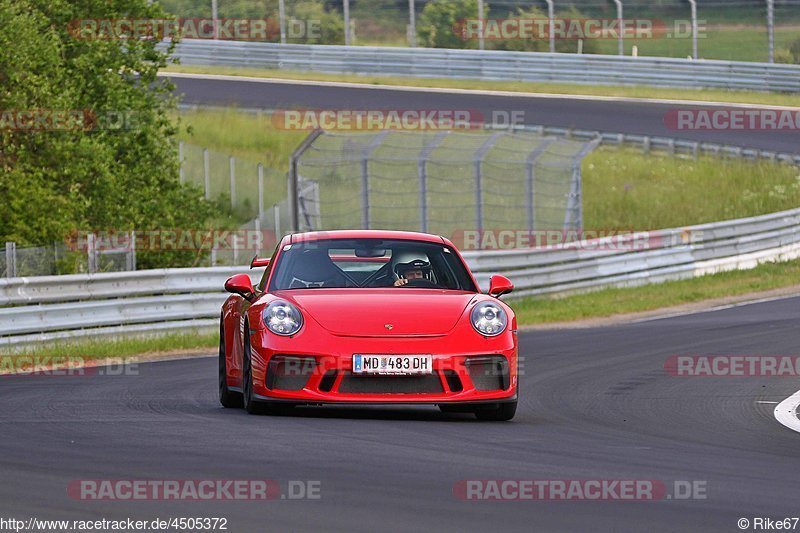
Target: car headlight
pixel 489 319
pixel 282 318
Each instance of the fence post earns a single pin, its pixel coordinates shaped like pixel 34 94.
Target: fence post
pixel 530 189
pixel 11 259
pixel 282 17
pixel 476 163
pixel 260 191
pixel 232 169
pixel 412 25
pixel 294 212
pixel 551 25
pixel 206 176
pixel 180 162
pixel 771 29
pixel 575 201
pixel 276 214
pixel 91 251
pixel 620 43
pixel 346 9
pixel 482 26
pixel 422 172
pixel 693 3
pixel 131 259
pixel 365 155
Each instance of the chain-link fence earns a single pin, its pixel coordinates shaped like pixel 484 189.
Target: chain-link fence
pixel 725 29
pixel 442 182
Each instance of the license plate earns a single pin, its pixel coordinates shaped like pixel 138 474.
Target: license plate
pixel 392 365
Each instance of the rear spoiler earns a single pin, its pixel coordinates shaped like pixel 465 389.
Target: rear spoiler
pixel 259 261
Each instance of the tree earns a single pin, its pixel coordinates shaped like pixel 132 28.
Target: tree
pixel 110 174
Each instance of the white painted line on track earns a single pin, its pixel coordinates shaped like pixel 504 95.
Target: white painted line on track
pixel 715 308
pixel 445 90
pixel 786 412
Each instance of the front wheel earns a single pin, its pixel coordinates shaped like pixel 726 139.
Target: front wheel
pixel 498 412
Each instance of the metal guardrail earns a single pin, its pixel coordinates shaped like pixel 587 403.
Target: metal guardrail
pixel 147 302
pixel 495 65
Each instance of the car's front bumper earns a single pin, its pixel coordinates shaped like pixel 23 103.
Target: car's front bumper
pixel 285 370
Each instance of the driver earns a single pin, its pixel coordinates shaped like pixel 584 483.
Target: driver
pixel 412 270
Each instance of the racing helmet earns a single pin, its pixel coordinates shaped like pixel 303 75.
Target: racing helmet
pixel 404 262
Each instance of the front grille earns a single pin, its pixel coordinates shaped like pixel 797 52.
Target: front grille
pixel 289 373
pixel 390 384
pixel 488 372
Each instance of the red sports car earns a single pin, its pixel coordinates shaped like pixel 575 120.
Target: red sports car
pixel 368 317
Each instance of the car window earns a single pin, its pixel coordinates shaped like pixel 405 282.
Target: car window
pixel 369 263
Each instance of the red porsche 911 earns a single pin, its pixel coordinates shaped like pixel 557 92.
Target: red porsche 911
pixel 368 317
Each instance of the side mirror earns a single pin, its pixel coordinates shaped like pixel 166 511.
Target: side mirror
pixel 240 284
pixel 500 285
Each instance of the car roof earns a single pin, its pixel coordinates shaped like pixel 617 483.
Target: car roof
pixel 365 234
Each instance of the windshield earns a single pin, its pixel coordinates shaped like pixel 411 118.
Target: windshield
pixel 370 263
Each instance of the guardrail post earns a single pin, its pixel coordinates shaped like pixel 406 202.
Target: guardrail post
pixel 11 259
pixel 276 214
pixel 206 174
pixel 232 171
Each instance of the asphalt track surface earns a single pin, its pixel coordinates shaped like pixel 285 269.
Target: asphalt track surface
pixel 595 404
pixel 633 117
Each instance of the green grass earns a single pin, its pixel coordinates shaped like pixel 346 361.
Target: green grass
pixel 609 302
pixel 705 95
pixel 625 189
pixel 730 43
pixel 96 349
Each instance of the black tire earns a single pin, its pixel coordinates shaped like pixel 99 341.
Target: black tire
pixel 497 413
pixel 228 398
pixel 252 406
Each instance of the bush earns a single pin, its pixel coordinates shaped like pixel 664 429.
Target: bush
pixel 784 55
pixel 440 21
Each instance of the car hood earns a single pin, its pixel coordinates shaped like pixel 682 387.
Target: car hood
pixel 389 312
